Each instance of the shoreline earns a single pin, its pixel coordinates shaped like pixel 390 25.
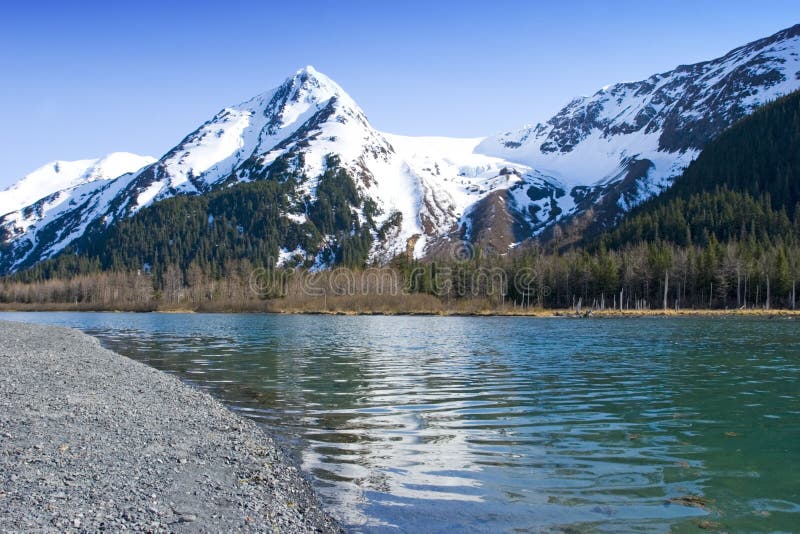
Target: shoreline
pixel 336 310
pixel 91 440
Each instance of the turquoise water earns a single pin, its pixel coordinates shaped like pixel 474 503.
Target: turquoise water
pixel 447 424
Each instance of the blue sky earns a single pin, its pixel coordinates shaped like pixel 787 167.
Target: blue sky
pixel 81 79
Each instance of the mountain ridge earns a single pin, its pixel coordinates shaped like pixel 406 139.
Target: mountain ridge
pixel 596 159
pixel 62 174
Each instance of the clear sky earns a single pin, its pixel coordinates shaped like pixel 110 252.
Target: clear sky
pixel 81 79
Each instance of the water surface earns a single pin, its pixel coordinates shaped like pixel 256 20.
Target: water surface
pixel 446 424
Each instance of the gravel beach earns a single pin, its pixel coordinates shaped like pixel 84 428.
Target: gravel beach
pixel 91 440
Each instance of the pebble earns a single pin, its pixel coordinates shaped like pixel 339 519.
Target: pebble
pixel 95 441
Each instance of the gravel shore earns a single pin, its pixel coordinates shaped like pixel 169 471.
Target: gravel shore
pixel 91 440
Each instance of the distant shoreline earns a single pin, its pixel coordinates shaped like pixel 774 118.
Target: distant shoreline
pixel 335 309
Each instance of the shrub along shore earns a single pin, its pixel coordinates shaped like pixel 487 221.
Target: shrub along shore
pixel 398 306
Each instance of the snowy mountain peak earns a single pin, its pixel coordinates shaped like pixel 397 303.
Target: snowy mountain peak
pixel 58 175
pixel 310 84
pixel 309 72
pixel 306 88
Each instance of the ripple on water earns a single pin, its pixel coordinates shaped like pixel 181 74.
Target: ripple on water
pixel 468 424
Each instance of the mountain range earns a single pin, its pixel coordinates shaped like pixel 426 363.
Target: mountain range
pixel 577 172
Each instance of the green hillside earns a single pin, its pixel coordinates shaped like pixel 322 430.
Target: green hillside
pixel 744 185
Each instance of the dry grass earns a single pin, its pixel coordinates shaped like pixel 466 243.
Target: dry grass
pixel 401 304
pixel 370 293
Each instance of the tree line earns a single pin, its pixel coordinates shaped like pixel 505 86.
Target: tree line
pixel 736 274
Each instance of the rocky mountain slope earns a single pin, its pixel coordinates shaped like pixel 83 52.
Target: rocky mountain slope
pixel 595 159
pixel 610 151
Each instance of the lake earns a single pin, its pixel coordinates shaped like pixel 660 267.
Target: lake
pixel 447 424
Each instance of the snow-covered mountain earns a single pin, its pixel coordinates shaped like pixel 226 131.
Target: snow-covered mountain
pixel 60 175
pixel 598 156
pixel 628 141
pixel 421 187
